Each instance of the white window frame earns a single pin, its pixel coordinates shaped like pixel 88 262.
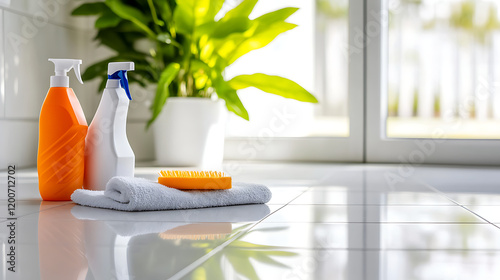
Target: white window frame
pixel 340 149
pixel 379 148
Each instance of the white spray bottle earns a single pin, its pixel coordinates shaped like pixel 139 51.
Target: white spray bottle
pixel 107 150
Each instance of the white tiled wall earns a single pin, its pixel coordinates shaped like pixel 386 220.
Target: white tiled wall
pixel 56 11
pixel 18 142
pixel 26 65
pixel 31 31
pixel 2 81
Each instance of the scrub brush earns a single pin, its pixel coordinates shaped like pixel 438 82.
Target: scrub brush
pixel 194 180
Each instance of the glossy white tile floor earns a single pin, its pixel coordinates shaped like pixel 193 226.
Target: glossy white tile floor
pixel 324 222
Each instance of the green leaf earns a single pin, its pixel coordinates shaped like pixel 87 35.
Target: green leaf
pixel 184 18
pixel 131 37
pixel 164 10
pixel 102 84
pixel 128 26
pixel 162 92
pixel 113 40
pixel 138 79
pixel 204 12
pixel 95 70
pixel 213 9
pixel 233 102
pixel 199 16
pixel 100 69
pixel 273 84
pixel 201 73
pixel 136 56
pixel 189 14
pixel 204 29
pixel 223 29
pixel 271 18
pixel 260 40
pixel 132 14
pixel 198 65
pixel 244 9
pixel 200 10
pixel 107 19
pixel 226 47
pixel 278 15
pixel 89 9
pixel 145 70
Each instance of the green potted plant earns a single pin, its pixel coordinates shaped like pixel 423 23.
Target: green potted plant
pixel 182 48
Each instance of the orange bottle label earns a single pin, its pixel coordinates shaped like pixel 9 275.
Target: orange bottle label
pixel 61 145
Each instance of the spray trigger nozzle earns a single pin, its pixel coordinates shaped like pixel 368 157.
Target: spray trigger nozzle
pixel 62 67
pixel 118 70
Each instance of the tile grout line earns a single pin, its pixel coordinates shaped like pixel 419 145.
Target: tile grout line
pixel 387 250
pixel 384 223
pixel 183 272
pixel 22 216
pixel 458 204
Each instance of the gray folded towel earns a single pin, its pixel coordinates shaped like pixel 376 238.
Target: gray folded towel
pixel 138 194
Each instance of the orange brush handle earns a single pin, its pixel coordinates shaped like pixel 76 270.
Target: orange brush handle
pixel 187 183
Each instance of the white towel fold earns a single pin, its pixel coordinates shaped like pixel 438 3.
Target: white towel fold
pixel 138 194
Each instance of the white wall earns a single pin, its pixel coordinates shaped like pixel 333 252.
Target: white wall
pixel 31 31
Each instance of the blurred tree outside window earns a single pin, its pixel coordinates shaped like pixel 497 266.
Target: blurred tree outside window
pixel 444 69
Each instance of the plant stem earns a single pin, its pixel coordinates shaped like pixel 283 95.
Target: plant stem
pixel 160 64
pixel 187 68
pixel 155 16
pixel 189 85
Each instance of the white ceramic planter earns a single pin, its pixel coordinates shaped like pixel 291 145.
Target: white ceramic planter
pixel 190 132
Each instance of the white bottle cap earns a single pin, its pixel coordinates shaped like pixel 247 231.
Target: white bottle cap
pixel 63 66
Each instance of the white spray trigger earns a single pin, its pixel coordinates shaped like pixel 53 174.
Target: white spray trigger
pixel 117 66
pixel 62 67
pixel 76 67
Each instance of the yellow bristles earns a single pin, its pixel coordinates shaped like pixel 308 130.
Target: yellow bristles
pixel 192 174
pixel 194 180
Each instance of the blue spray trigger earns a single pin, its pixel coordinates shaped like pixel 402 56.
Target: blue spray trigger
pixel 122 76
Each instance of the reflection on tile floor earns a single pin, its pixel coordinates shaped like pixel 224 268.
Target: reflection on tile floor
pixel 335 222
pixel 235 262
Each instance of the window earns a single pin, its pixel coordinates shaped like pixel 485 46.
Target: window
pixel 317 55
pixel 412 81
pixel 443 69
pixel 430 82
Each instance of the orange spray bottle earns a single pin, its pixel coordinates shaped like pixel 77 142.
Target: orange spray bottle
pixel 62 131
